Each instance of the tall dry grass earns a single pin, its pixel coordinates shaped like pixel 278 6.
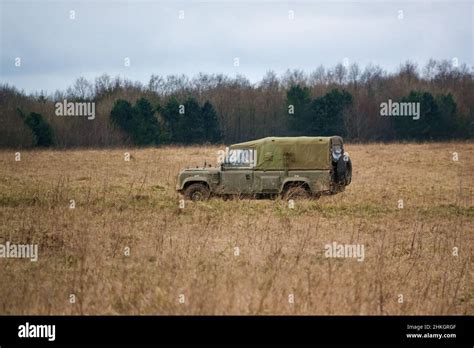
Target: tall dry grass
pixel 191 251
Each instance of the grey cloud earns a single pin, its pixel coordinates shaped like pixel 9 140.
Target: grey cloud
pixel 55 50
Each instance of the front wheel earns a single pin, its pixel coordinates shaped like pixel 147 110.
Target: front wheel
pixel 197 192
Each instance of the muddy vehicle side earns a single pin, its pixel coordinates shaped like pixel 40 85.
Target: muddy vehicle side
pixel 290 167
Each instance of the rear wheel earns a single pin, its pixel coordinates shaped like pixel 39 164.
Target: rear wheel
pixel 296 192
pixel 197 192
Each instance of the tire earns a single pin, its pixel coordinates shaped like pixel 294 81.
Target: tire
pixel 349 172
pixel 296 192
pixel 341 169
pixel 197 192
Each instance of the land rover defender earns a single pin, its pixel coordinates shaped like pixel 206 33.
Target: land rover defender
pixel 290 167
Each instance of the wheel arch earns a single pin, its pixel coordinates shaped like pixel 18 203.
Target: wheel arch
pixel 194 180
pixel 288 182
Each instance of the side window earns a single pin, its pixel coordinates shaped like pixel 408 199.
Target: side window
pixel 240 158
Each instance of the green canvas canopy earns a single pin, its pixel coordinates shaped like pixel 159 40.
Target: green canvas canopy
pixel 293 153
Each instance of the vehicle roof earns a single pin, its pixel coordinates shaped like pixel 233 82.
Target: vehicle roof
pixel 289 140
pixel 274 153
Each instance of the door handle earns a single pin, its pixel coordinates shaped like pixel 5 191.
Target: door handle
pixel 247 176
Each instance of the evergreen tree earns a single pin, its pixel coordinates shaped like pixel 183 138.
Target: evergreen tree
pixel 323 116
pixel 407 127
pixel 298 101
pixel 327 116
pixel 449 121
pixel 147 129
pixel 139 121
pixel 43 134
pixel 171 119
pixel 211 123
pixel 122 115
pixel 439 118
pixel 188 123
pixel 193 125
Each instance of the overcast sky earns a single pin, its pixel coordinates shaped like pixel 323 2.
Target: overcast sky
pixel 55 49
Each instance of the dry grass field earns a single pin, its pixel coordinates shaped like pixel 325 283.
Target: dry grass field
pixel 191 251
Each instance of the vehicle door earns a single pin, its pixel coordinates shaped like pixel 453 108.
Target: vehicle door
pixel 237 172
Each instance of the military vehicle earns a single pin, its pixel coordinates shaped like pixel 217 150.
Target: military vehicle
pixel 290 167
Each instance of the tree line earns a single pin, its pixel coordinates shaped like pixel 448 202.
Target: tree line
pixel 186 123
pixel 215 108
